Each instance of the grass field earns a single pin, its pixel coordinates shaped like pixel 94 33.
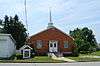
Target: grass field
pixel 46 59
pixel 80 59
pixel 36 59
pixel 97 53
pixel 86 57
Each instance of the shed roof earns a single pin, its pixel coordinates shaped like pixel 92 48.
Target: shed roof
pixel 9 36
pixel 25 47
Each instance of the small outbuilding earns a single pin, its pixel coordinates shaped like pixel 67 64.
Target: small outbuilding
pixel 7 46
pixel 26 51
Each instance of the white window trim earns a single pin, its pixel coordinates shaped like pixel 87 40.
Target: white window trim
pixel 24 53
pixel 53 49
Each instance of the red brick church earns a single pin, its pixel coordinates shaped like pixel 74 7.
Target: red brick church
pixel 52 40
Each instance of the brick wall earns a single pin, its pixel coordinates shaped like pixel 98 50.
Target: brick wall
pixel 52 34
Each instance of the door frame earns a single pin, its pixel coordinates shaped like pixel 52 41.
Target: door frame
pixel 53 48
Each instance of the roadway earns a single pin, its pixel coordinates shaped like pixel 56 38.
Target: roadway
pixel 52 64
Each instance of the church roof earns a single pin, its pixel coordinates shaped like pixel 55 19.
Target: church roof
pixel 50 29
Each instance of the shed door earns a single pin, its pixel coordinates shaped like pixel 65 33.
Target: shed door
pixel 53 46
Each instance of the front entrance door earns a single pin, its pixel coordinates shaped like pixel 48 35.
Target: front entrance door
pixel 53 46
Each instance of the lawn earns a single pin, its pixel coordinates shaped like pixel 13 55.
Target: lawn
pixel 86 57
pixel 80 59
pixel 36 59
pixel 46 59
pixel 97 53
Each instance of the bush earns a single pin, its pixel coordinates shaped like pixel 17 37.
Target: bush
pixel 75 53
pixel 12 57
pixel 32 55
pixel 19 56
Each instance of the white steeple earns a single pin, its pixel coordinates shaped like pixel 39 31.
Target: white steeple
pixel 50 24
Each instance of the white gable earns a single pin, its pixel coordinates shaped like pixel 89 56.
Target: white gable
pixel 23 47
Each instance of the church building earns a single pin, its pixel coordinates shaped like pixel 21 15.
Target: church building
pixel 52 40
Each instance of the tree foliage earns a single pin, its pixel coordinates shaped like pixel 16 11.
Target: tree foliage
pixel 15 27
pixel 84 38
pixel 1 26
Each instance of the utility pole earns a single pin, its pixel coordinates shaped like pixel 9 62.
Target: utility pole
pixel 25 3
pixel 26 17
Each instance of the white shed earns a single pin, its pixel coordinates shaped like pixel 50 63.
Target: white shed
pixel 26 51
pixel 7 46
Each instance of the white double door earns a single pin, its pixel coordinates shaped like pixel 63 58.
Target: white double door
pixel 53 46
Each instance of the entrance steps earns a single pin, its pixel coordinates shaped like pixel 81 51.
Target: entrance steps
pixel 57 54
pixel 53 56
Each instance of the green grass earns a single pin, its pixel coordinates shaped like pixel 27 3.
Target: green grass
pixel 78 59
pixel 85 59
pixel 97 53
pixel 46 59
pixel 36 59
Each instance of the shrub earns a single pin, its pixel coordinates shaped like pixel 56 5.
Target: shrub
pixel 75 52
pixel 19 56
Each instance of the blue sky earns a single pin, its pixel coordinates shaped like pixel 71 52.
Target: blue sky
pixel 66 14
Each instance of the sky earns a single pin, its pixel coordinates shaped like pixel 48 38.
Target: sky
pixel 66 14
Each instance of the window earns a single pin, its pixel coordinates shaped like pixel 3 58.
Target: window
pixel 54 44
pixel 65 44
pixel 39 44
pixel 51 45
pixel 26 53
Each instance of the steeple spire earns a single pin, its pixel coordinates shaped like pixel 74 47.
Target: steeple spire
pixel 50 24
pixel 50 15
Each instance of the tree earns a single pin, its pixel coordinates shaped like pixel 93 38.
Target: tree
pixel 16 18
pixel 0 22
pixel 15 27
pixel 84 39
pixel 1 26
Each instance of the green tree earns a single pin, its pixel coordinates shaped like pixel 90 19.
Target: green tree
pixel 0 22
pixel 84 39
pixel 1 26
pixel 15 27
